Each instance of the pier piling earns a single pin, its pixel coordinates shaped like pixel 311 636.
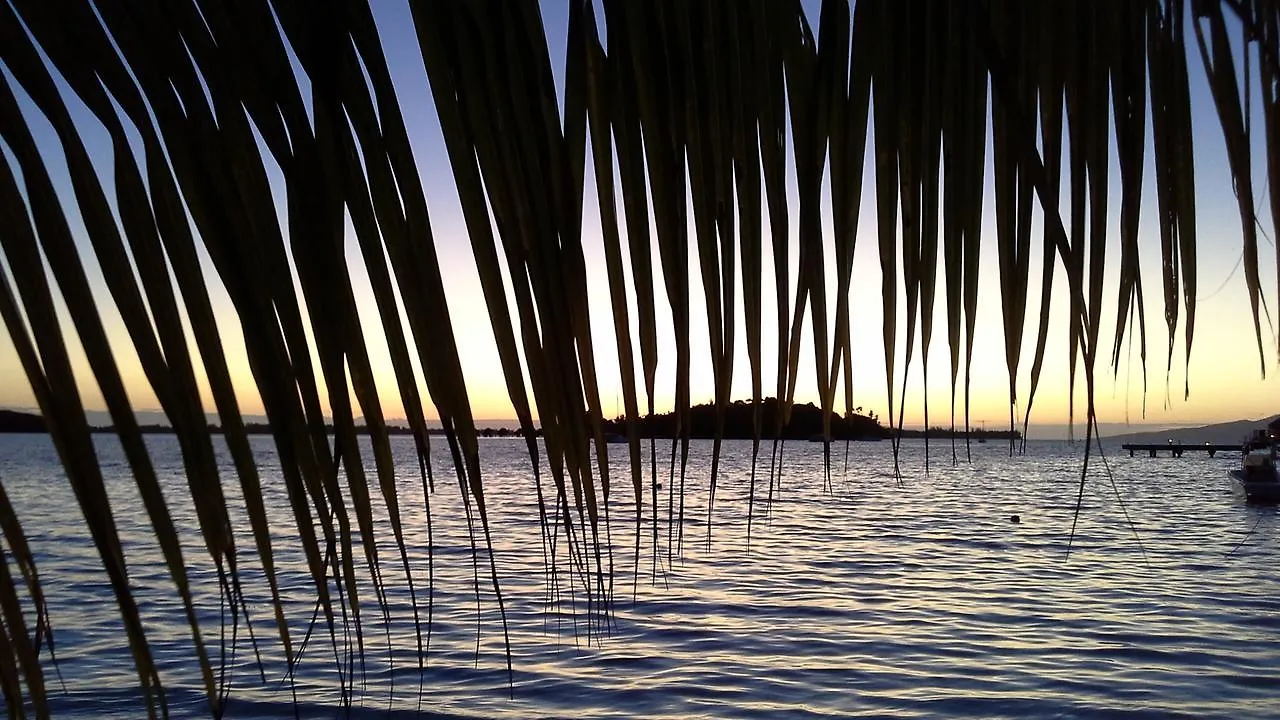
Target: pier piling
pixel 1176 449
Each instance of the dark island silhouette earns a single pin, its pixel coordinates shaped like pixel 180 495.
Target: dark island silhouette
pixel 805 424
pixel 12 421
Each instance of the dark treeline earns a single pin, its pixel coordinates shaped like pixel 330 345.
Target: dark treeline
pixel 264 429
pixel 12 421
pixel 806 423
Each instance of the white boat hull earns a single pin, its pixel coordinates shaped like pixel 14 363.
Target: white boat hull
pixel 1256 487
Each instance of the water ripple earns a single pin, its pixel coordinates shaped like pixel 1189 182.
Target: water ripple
pixel 878 598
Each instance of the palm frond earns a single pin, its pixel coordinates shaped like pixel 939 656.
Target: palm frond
pixel 254 133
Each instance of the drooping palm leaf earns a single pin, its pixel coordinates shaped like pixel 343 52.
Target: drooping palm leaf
pixel 1049 58
pixel 848 150
pixel 1129 103
pixel 601 113
pixel 1174 167
pixel 1220 67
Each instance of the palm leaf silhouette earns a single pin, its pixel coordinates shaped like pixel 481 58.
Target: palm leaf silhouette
pixel 263 127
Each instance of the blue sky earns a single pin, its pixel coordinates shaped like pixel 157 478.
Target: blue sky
pixel 1224 374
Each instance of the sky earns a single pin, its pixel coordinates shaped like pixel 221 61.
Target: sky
pixel 1225 379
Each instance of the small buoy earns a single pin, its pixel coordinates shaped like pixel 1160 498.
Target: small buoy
pixel 1015 518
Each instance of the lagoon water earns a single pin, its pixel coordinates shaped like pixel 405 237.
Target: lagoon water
pixel 918 598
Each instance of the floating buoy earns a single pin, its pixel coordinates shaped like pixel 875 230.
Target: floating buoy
pixel 1015 518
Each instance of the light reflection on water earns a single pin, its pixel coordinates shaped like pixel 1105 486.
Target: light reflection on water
pixel 913 599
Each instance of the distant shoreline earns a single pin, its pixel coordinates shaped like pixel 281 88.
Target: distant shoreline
pixel 18 423
pixel 737 424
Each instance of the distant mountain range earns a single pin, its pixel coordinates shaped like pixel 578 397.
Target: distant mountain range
pixel 1225 433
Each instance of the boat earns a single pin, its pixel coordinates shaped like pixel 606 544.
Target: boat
pixel 1257 478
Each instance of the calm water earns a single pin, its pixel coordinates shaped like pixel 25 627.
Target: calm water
pixel 877 598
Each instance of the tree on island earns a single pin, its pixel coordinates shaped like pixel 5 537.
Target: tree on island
pixel 806 423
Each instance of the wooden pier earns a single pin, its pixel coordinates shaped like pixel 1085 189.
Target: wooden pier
pixel 1177 449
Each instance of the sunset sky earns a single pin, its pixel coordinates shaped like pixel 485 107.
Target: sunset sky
pixel 1225 376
